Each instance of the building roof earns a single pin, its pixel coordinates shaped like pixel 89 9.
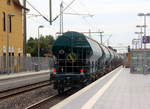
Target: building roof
pixel 17 2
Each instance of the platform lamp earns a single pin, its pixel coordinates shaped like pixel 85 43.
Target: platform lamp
pixel 144 15
pixel 7 42
pixel 41 26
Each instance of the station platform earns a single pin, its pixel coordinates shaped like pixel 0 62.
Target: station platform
pixel 22 74
pixel 119 89
pixel 15 80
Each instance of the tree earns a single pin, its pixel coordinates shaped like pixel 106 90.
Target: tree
pixel 45 43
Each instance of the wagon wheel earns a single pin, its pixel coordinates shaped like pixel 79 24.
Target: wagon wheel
pixel 61 88
pixel 60 91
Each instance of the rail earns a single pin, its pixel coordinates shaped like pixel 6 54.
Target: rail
pixel 52 100
pixel 23 89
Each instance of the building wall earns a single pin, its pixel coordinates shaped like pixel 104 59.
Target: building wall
pixel 16 36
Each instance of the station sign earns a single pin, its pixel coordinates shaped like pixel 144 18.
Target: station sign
pixel 146 39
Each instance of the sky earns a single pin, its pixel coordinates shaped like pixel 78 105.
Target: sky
pixel 117 18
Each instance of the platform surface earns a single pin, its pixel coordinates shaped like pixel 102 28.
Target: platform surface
pixel 15 80
pixel 118 90
pixel 22 74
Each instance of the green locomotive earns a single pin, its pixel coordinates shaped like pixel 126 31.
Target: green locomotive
pixel 80 60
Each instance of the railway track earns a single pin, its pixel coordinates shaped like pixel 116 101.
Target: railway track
pixel 52 100
pixel 20 90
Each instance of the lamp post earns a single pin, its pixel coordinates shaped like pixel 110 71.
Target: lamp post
pixel 144 15
pixel 25 28
pixel 7 42
pixel 41 26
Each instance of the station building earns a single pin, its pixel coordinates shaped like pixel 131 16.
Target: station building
pixel 11 28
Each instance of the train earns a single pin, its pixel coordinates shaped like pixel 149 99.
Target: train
pixel 80 60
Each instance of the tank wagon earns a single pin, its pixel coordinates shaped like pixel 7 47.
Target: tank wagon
pixel 80 60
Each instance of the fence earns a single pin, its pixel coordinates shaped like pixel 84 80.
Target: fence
pixel 12 64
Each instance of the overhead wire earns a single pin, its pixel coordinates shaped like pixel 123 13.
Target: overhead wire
pixel 38 11
pixel 83 17
pixel 64 9
pixel 92 18
pixel 76 13
pixel 40 14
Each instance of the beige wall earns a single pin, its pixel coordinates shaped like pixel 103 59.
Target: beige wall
pixel 16 36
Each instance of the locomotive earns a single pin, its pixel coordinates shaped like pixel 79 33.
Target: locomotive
pixel 80 60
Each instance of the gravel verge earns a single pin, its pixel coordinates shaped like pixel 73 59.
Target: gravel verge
pixel 26 99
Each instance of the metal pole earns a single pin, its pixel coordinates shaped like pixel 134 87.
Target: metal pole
pixel 25 30
pixel 139 41
pixel 136 45
pixel 101 37
pixel 144 29
pixel 89 33
pixel 60 20
pixel 7 47
pixel 7 43
pixel 38 43
pixel 141 38
pixel 50 11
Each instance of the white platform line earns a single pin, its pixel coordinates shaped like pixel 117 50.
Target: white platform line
pixel 90 103
pixel 69 99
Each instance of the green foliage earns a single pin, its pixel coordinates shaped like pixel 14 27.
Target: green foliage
pixel 45 43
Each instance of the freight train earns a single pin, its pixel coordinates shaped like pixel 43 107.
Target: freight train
pixel 80 60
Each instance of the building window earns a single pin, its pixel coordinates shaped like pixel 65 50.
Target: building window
pixel 4 21
pixel 10 24
pixel 8 2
